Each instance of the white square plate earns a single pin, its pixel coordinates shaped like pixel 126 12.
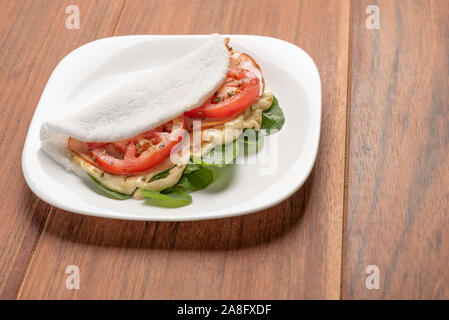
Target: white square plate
pixel 93 69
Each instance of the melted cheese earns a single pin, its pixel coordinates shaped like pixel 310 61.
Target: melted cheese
pixel 210 138
pixel 128 185
pixel 231 130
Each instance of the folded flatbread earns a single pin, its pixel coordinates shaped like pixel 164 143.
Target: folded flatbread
pixel 157 96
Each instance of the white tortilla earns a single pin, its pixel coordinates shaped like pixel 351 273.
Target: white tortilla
pixel 148 101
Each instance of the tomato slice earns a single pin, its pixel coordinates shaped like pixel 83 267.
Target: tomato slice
pixel 134 155
pixel 238 92
pixel 245 61
pixel 81 149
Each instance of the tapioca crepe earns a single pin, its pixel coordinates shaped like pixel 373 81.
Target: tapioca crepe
pixel 145 102
pixel 125 141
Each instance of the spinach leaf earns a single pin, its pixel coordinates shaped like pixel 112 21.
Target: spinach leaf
pixel 252 141
pixel 162 174
pixel 221 155
pixel 168 198
pixel 192 167
pixel 108 192
pixel 273 118
pixel 195 177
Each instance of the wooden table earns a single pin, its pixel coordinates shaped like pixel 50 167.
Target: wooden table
pixel 378 194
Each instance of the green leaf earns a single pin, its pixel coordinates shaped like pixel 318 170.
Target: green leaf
pixel 110 193
pixel 169 198
pixel 191 167
pixel 252 141
pixel 195 177
pixel 273 119
pixel 162 174
pixel 221 155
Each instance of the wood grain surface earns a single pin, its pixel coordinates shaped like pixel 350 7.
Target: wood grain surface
pixel 378 194
pixel 290 251
pixel 398 199
pixel 32 41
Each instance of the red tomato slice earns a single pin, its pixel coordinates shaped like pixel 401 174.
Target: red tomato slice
pixel 81 149
pixel 243 60
pixel 238 92
pixel 134 155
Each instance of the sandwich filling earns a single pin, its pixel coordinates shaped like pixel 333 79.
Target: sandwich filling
pixel 224 133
